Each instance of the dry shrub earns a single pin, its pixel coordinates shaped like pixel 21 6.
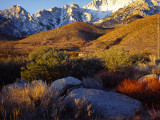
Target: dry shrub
pixel 155 112
pixel 38 90
pixel 110 79
pixel 8 50
pixel 147 92
pixel 27 101
pixel 74 54
pixel 79 109
pixel 83 110
pixel 130 87
pixel 16 95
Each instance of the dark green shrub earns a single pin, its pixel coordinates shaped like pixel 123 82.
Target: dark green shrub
pixel 10 71
pixel 82 67
pixel 49 56
pixel 119 59
pixel 50 64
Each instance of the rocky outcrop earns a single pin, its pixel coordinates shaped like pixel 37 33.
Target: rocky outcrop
pixel 108 105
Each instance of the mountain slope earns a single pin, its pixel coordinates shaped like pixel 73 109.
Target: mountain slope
pixel 140 35
pixel 71 37
pixel 135 10
pixel 20 22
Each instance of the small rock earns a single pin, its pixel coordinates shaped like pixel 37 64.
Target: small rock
pixel 22 81
pixel 63 84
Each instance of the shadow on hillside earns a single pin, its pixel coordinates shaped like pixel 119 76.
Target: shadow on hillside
pixel 4 37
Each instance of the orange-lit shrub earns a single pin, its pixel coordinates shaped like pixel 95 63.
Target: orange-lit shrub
pixel 74 54
pixel 130 87
pixel 153 85
pixel 147 92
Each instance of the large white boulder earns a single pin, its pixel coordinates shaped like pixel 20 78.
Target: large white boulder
pixel 63 84
pixel 108 105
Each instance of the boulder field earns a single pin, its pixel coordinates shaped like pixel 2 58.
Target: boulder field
pixel 106 104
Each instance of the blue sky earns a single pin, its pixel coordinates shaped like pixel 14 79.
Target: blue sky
pixel 33 6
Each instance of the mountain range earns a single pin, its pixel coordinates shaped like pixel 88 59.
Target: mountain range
pixel 139 36
pixel 16 21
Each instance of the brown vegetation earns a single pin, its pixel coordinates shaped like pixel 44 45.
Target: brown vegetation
pixel 70 37
pixel 140 35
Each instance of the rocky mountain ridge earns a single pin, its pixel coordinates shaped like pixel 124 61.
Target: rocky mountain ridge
pixel 20 23
pixel 136 10
pixel 16 21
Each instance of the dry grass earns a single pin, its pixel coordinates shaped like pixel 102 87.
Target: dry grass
pixel 22 101
pixel 154 112
pixel 39 102
pixel 71 37
pixel 140 35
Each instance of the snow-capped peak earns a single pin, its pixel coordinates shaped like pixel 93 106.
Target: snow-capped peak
pixel 65 7
pixel 52 9
pixel 74 6
pixel 107 5
pixel 16 11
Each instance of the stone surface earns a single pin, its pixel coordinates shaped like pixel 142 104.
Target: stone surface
pixel 148 77
pixel 65 83
pixel 22 81
pixel 108 105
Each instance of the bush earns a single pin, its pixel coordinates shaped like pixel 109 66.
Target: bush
pixel 119 59
pixel 10 71
pixel 29 101
pixel 51 64
pixel 110 79
pixel 148 93
pixel 49 56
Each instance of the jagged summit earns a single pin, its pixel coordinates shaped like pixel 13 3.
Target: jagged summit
pixel 107 5
pixel 74 6
pixel 96 4
pixel 65 7
pixel 21 23
pixel 52 9
pixel 135 10
pixel 15 10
